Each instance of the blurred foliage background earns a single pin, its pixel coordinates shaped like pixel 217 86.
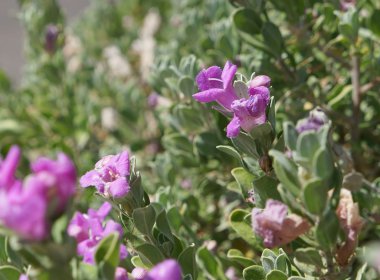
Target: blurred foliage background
pixel 122 76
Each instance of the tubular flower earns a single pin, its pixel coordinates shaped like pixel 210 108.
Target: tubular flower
pixel 249 110
pixel 110 176
pixel 351 223
pixel 41 196
pixel 89 229
pixel 275 226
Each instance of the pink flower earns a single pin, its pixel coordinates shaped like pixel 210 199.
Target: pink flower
pixel 275 226
pixel 351 223
pixel 249 111
pixel 110 176
pixel 28 207
pixel 89 229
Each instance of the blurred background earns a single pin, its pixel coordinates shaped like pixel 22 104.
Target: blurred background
pixel 11 32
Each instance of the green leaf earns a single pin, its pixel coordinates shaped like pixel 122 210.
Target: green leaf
pixel 273 38
pixel 307 144
pixel 323 164
pixel 281 263
pixel 187 261
pixel 254 272
pixel 187 86
pixel 206 143
pixel 245 144
pixel 328 229
pixel 315 196
pixel 267 263
pixel 88 271
pixel 309 256
pixel 276 275
pixel 188 118
pixel 137 262
pixel 349 24
pixel 296 278
pixel 374 22
pixel 244 179
pixel 247 20
pixel 3 254
pixel 177 249
pixel 265 188
pixel 210 264
pixel 144 219
pixel 230 151
pixel 163 225
pixel 240 222
pixel 174 218
pixel 286 172
pixel 238 257
pixel 149 254
pixel 261 132
pixel 8 272
pixel 290 135
pixel 107 255
pixel 224 44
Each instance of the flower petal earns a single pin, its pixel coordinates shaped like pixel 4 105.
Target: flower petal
pixel 261 80
pixel 228 74
pixel 233 128
pixel 208 95
pixel 202 79
pixel 119 187
pixel 122 163
pixel 91 178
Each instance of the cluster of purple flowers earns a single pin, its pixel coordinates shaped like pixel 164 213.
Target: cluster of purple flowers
pixel 110 176
pixel 89 229
pixel 40 197
pixel 248 110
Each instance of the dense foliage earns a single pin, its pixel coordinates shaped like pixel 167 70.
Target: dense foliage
pixel 193 139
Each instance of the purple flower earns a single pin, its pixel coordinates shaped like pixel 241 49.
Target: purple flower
pixel 168 269
pixel 121 274
pixel 110 176
pixel 275 226
pixel 216 85
pixel 23 277
pixel 28 207
pixel 89 229
pixel 55 179
pixel 51 35
pixel 153 100
pixel 248 113
pixel 313 122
